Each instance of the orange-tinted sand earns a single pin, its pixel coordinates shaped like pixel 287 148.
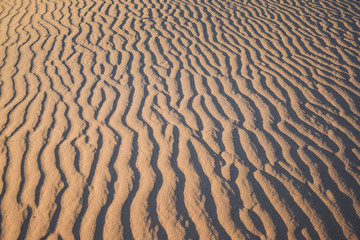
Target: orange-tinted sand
pixel 179 119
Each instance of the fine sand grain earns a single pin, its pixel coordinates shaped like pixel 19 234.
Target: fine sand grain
pixel 179 119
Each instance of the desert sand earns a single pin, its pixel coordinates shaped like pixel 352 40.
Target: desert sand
pixel 179 119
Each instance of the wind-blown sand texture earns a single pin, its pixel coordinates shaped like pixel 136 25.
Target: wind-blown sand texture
pixel 179 119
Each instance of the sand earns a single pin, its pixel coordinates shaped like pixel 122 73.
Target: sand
pixel 179 119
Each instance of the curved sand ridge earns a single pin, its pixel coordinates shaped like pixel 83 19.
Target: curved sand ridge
pixel 179 119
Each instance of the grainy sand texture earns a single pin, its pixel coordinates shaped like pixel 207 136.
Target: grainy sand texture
pixel 179 119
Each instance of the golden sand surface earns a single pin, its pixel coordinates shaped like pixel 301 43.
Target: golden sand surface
pixel 179 119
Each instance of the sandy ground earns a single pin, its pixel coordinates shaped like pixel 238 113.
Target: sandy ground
pixel 180 119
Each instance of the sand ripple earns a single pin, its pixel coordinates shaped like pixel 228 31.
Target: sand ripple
pixel 156 119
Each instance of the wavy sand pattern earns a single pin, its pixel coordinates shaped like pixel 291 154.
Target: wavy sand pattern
pixel 181 119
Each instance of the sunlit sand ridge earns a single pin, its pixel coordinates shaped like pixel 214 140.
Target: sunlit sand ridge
pixel 179 119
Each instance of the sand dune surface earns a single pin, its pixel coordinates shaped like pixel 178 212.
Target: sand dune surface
pixel 180 119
